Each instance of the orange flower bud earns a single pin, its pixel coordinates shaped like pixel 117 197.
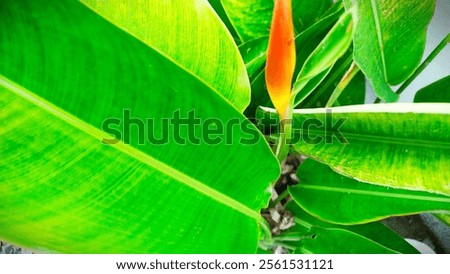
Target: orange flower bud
pixel 281 56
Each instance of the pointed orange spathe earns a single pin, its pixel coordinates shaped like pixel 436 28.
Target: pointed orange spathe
pixel 281 56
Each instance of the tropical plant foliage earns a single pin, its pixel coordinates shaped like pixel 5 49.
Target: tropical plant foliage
pixel 102 151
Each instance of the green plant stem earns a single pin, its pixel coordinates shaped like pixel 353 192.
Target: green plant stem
pixel 280 197
pixel 422 67
pixel 348 77
pixel 267 232
pixel 289 237
pixel 285 134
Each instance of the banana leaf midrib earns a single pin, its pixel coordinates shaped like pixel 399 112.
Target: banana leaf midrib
pixel 381 139
pixel 128 150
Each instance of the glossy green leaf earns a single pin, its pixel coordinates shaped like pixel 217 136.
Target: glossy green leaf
pixel 437 92
pixel 339 199
pixel 307 12
pixel 260 96
pixel 252 18
pixel 339 241
pixel 254 53
pixel 217 6
pixel 396 145
pixel 375 232
pixel 332 47
pixel 389 39
pixel 64 71
pixel 307 41
pixel 183 30
pixel 311 86
pixel 353 94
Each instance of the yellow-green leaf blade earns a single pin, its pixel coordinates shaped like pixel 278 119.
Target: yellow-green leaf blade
pixel 339 199
pixel 374 232
pixel 64 190
pixel 332 47
pixel 336 241
pixel 397 145
pixel 389 40
pixel 56 201
pixel 183 30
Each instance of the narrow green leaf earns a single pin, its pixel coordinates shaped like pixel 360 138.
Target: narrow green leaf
pixel 64 72
pixel 217 6
pixel 396 145
pixel 260 95
pixel 183 30
pixel 332 47
pixel 345 81
pixel 353 94
pixel 437 92
pixel 339 241
pixel 307 12
pixel 423 66
pixel 252 18
pixel 311 86
pixel 339 199
pixel 389 39
pixel 375 231
pixel 307 41
pixel 254 53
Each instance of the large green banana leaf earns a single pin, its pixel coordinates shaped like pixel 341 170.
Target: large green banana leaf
pixel 188 32
pixel 64 71
pixel 339 241
pixel 370 235
pixel 396 145
pixel 339 199
pixel 389 39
